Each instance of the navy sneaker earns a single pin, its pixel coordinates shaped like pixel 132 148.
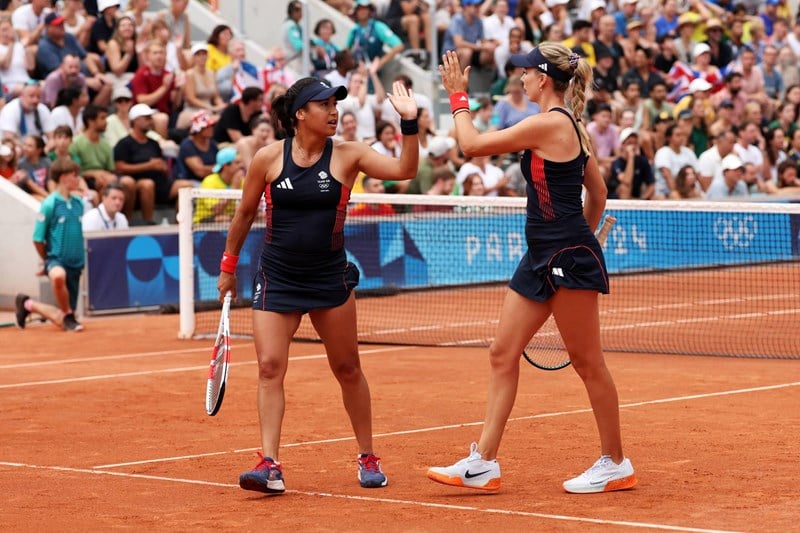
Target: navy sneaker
pixel 265 477
pixel 21 312
pixel 71 324
pixel 369 471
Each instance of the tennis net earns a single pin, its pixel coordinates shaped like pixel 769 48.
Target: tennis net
pixel 710 278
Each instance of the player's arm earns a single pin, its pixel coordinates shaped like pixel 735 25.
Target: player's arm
pixel 254 184
pixel 596 193
pixel 388 168
pixel 258 175
pixel 518 137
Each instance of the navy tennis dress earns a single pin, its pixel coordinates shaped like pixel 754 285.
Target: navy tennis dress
pixel 562 250
pixel 303 263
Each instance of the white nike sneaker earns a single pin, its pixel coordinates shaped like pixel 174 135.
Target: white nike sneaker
pixel 473 472
pixel 604 476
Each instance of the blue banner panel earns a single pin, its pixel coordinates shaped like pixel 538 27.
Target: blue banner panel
pixel 412 251
pixel 662 240
pixel 132 271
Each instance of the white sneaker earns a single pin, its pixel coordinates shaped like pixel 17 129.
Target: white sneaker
pixel 604 476
pixel 473 472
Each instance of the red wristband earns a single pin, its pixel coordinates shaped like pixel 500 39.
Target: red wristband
pixel 228 263
pixel 459 101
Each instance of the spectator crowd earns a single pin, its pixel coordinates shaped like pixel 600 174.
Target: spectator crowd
pixel 691 98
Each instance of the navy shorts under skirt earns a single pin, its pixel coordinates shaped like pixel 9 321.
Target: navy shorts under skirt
pixel 288 282
pixel 560 255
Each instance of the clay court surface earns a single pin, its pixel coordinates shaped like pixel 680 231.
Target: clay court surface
pixel 106 429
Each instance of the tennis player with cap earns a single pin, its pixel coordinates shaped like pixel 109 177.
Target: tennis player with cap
pixel 306 181
pixel 562 271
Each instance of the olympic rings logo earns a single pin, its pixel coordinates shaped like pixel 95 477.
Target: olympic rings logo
pixel 735 232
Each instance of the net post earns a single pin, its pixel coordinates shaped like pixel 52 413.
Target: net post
pixel 186 263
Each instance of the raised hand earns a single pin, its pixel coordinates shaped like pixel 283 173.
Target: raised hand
pixel 403 101
pixel 453 79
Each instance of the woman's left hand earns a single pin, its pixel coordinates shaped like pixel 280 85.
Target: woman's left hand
pixel 453 79
pixel 403 101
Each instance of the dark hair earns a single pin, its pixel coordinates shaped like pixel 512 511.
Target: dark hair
pixel 382 125
pixel 680 178
pixel 282 118
pixel 772 154
pixel 647 52
pixel 319 24
pixel 39 142
pixel 67 95
pixel 251 93
pixel 670 130
pixel 293 6
pixel 112 187
pixel 421 110
pixel 405 79
pixel 91 112
pixel 214 37
pixel 63 166
pixel 63 131
pixel 782 168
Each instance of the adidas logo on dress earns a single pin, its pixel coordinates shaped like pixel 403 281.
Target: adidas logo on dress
pixel 286 184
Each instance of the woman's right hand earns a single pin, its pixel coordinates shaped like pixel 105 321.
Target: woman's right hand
pixel 226 282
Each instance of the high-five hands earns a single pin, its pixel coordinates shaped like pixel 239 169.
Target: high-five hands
pixel 403 101
pixel 453 78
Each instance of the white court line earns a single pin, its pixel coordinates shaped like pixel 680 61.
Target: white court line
pixel 178 369
pixel 113 357
pixel 507 512
pixel 462 425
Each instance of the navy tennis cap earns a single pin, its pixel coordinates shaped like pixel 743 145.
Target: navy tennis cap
pixel 535 59
pixel 316 92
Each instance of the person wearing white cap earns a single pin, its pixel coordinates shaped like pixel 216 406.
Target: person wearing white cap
pixel 701 56
pixel 732 184
pixel 141 158
pixel 103 27
pixel 631 173
pixel 200 91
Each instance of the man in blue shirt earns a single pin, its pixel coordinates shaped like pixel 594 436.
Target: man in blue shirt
pixel 465 35
pixel 56 44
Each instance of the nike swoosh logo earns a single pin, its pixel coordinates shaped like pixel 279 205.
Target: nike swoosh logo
pixel 605 480
pixel 470 476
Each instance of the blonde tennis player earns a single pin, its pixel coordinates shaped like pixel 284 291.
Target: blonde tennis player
pixel 562 271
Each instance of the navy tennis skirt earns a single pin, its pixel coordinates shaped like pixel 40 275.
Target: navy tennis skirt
pixel 560 254
pixel 288 282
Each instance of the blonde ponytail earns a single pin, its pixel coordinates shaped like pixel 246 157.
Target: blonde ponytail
pixel 575 89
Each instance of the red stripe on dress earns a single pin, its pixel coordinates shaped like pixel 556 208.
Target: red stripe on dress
pixel 268 212
pixel 540 185
pixel 337 235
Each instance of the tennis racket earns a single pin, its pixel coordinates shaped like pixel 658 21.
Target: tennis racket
pixel 220 357
pixel 546 349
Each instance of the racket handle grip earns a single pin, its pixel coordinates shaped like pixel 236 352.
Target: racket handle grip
pixel 605 229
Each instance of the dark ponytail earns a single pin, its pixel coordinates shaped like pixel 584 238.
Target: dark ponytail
pixel 280 108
